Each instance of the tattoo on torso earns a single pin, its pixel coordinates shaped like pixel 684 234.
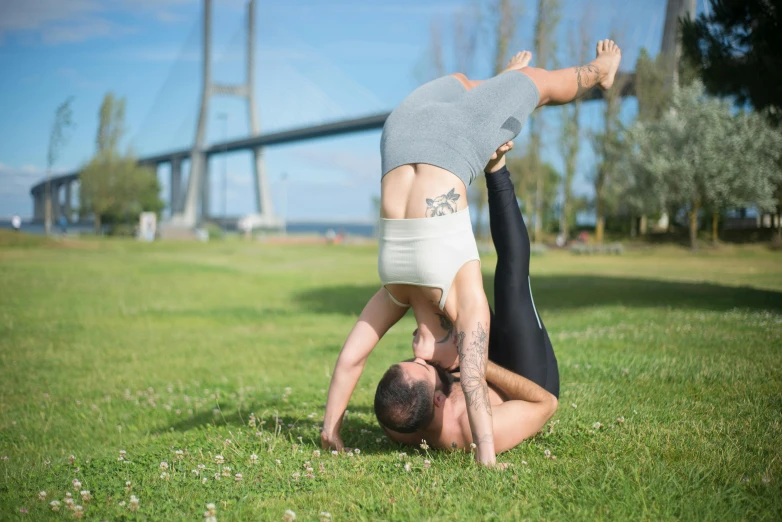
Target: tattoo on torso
pixel 442 205
pixel 472 366
pixel 586 77
pixel 446 325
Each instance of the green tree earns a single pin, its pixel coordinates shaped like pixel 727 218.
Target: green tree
pixel 570 139
pixel 113 186
pixel 737 49
pixel 609 148
pixel 700 156
pixel 58 137
pixel 548 15
pixel 526 189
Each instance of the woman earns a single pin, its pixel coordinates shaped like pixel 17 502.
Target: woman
pixel 433 145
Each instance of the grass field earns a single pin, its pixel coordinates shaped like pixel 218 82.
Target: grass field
pixel 670 362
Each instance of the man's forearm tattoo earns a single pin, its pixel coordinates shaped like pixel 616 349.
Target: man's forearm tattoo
pixel 586 77
pixel 442 205
pixel 472 364
pixel 446 325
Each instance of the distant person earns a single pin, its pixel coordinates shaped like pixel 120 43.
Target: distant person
pixel 433 145
pixel 16 223
pixel 63 222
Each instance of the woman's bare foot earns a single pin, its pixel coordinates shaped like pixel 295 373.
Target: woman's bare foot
pixel 519 61
pixel 607 60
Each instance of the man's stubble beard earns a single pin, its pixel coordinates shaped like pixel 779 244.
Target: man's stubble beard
pixel 446 380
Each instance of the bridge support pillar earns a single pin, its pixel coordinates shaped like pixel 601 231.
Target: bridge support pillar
pixel 67 208
pixel 56 207
pixel 39 207
pixel 205 191
pixel 176 185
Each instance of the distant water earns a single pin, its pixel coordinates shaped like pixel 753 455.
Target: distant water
pixel 302 227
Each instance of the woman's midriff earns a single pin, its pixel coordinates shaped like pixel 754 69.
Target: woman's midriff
pixel 421 190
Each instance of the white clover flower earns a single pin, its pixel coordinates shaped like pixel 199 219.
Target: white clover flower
pixel 55 505
pixel 547 453
pixel 127 485
pixel 219 459
pixel 217 476
pixel 289 516
pixel 238 477
pixel 204 480
pixel 407 466
pixel 226 471
pixel 41 496
pixel 472 446
pixel 523 462
pixel 597 425
pixel 296 476
pixel 620 420
pixel 427 464
pixel 195 472
pixel 402 456
pixel 201 467
pixel 121 503
pixel 574 405
pixel 765 479
pixel 86 496
pixel 424 445
pixel 76 485
pixel 134 503
pixel 179 454
pixel 316 454
pixel 78 511
pixel 334 453
pixel 68 495
pixel 278 462
pixel 165 475
pixel 71 459
pixel 324 516
pixel 210 519
pixel 211 509
pixel 253 458
pixel 163 466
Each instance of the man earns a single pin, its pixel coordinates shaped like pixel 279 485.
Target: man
pixel 416 400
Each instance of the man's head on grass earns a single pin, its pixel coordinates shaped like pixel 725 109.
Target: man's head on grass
pixel 409 394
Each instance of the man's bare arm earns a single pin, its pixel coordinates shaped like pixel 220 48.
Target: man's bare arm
pixel 514 386
pixel 378 316
pixel 528 409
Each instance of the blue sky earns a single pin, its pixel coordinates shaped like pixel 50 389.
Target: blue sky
pixel 316 61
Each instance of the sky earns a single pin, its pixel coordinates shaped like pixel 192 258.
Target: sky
pixel 316 62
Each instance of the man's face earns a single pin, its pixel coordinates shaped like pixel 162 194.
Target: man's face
pixel 419 370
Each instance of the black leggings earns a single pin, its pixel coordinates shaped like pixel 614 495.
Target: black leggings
pixel 518 340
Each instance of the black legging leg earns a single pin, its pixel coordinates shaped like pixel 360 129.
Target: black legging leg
pixel 518 339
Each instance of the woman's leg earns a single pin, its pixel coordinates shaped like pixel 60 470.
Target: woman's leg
pixel 565 85
pixel 518 339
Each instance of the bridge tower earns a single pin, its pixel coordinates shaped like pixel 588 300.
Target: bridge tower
pixel 198 183
pixel 671 46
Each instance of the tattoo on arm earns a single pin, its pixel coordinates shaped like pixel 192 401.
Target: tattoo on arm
pixel 472 365
pixel 446 325
pixel 586 77
pixel 442 205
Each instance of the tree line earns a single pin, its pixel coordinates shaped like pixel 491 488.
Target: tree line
pixel 704 140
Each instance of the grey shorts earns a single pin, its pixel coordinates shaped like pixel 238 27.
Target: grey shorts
pixel 443 124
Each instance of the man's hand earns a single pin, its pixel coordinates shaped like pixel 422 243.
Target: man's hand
pixel 497 160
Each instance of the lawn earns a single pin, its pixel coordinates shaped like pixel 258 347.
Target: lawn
pixel 215 358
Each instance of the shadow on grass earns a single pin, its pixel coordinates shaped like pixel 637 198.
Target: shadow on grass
pixel 356 430
pixel 569 292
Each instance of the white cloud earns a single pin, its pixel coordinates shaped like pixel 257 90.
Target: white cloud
pixel 69 21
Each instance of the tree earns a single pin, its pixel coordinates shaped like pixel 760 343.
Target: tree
pixel 737 49
pixel 113 187
pixel 527 187
pixel 609 148
pixel 63 121
pixel 570 140
pixel 701 156
pixel 545 50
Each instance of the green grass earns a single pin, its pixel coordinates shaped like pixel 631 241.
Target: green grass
pixel 109 346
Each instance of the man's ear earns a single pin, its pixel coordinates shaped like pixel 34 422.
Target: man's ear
pixel 439 399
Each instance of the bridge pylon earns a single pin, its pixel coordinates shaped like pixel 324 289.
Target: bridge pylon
pixel 187 215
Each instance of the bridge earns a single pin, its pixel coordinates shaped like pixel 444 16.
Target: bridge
pixel 184 204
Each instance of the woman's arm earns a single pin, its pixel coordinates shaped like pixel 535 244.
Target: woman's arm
pixel 378 316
